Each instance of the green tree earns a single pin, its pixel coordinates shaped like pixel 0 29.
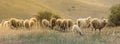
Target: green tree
pixel 46 15
pixel 115 15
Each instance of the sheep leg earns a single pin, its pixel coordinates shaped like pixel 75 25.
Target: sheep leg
pixel 100 30
pixel 92 29
pixel 95 29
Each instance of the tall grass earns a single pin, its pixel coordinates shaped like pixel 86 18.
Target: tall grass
pixel 44 36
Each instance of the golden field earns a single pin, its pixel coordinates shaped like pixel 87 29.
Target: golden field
pixel 73 9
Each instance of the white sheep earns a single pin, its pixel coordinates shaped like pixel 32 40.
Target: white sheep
pixel 34 19
pixel 45 23
pixel 77 29
pixel 6 24
pixel 84 22
pixel 109 24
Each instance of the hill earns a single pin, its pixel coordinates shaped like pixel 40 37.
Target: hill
pixel 67 8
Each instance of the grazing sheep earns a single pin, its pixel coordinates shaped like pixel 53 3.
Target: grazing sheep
pixel 45 23
pixel 2 23
pixel 14 23
pixel 6 24
pixel 58 23
pixel 69 23
pixel 34 19
pixel 64 25
pixel 77 29
pixel 98 24
pixel 53 22
pixel 33 22
pixel 26 23
pixel 84 22
pixel 21 25
pixel 109 24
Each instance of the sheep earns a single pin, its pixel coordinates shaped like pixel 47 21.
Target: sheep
pixel 45 23
pixel 52 22
pixel 109 24
pixel 77 29
pixel 6 24
pixel 64 25
pixel 20 23
pixel 32 24
pixel 69 23
pixel 84 22
pixel 98 24
pixel 2 23
pixel 58 23
pixel 34 19
pixel 14 23
pixel 26 23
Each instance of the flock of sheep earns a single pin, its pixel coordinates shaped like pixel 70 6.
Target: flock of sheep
pixel 69 24
pixel 14 23
pixel 57 24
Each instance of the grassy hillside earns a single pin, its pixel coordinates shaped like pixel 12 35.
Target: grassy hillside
pixel 19 8
pixel 70 8
pixel 67 9
pixel 44 36
pixel 81 8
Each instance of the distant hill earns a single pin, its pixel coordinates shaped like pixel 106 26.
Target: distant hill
pixel 67 8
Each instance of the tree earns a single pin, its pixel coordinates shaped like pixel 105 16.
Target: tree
pixel 115 15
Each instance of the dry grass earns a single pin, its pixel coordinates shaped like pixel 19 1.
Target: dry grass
pixel 68 9
pixel 46 36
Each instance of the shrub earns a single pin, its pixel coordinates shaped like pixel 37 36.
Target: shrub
pixel 115 15
pixel 56 16
pixel 46 15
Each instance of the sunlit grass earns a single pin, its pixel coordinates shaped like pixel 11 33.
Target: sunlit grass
pixel 45 36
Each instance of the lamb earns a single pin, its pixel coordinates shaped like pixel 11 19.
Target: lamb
pixel 45 23
pixel 98 24
pixel 77 29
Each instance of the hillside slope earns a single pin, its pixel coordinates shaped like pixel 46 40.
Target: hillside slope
pixel 81 8
pixel 67 8
pixel 19 8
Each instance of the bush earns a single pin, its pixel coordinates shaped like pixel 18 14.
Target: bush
pixel 46 15
pixel 115 15
pixel 56 16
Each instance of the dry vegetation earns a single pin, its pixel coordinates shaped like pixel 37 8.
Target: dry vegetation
pixel 72 9
pixel 44 36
